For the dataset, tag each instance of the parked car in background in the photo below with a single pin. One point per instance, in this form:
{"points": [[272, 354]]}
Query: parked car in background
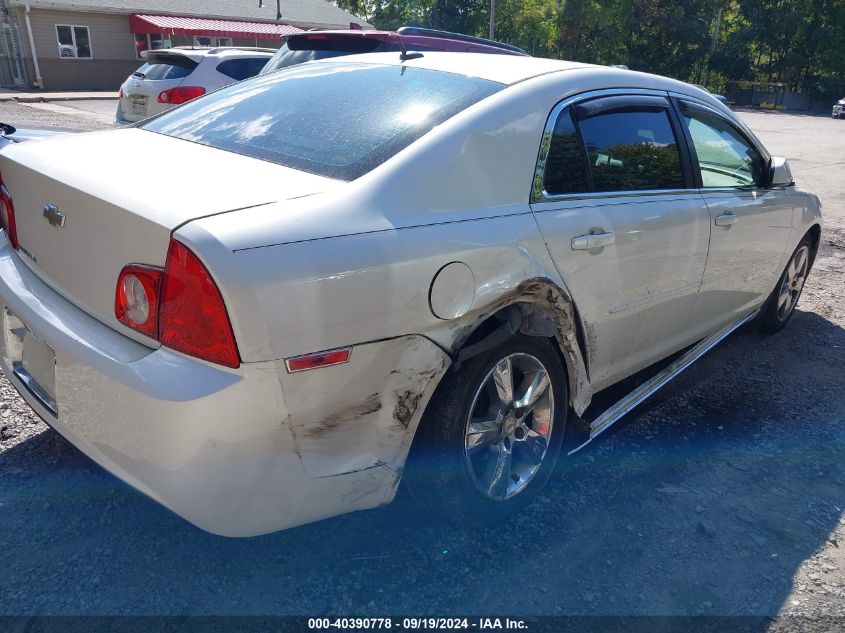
{"points": [[303, 47], [176, 75], [839, 108], [368, 269], [721, 98]]}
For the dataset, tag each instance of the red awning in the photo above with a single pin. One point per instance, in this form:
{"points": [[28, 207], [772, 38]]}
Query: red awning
{"points": [[173, 25]]}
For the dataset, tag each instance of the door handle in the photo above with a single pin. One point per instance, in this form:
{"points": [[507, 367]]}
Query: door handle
{"points": [[726, 219], [589, 242]]}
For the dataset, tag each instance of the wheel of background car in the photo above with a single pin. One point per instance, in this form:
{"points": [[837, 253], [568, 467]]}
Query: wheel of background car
{"points": [[781, 303], [492, 433]]}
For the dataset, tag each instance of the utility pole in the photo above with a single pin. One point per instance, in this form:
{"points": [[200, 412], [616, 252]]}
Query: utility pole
{"points": [[278, 8], [492, 19], [712, 48]]}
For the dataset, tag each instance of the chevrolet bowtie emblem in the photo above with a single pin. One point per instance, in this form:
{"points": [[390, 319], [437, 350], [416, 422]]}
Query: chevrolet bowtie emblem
{"points": [[54, 216]]}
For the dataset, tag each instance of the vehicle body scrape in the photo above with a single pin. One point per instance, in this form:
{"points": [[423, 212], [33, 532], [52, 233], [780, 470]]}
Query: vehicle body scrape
{"points": [[546, 309], [336, 432]]}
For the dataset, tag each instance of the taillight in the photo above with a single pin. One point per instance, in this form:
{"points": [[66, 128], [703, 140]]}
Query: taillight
{"points": [[136, 302], [175, 96], [192, 316], [179, 306], [7, 215]]}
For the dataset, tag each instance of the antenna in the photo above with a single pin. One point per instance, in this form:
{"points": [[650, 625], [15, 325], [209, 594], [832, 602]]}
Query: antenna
{"points": [[405, 55]]}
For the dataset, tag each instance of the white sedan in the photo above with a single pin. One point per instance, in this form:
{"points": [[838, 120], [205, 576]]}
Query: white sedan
{"points": [[353, 269]]}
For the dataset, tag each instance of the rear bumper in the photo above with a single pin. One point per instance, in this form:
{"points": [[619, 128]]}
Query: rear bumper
{"points": [[219, 447]]}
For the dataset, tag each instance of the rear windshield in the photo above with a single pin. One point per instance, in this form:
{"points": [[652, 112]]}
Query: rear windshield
{"points": [[311, 46], [166, 67], [334, 119]]}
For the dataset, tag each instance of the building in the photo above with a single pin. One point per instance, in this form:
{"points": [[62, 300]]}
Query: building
{"points": [[96, 44]]}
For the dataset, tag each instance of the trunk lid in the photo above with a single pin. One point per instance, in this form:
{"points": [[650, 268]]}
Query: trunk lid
{"points": [[122, 193]]}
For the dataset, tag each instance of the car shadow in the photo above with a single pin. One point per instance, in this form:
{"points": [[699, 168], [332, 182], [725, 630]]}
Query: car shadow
{"points": [[703, 503]]}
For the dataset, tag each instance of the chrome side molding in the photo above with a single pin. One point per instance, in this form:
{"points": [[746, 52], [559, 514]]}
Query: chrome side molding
{"points": [[660, 380]]}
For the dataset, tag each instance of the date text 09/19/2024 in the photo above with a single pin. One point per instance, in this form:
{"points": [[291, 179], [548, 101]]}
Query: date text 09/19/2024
{"points": [[428, 623]]}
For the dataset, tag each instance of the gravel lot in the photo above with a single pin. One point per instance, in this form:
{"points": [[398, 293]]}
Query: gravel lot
{"points": [[724, 497]]}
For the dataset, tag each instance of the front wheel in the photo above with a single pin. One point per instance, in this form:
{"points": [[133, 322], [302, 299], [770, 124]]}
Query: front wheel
{"points": [[491, 436], [781, 303]]}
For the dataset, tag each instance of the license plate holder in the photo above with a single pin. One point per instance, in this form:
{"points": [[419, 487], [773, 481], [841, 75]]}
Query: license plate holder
{"points": [[32, 361], [139, 106]]}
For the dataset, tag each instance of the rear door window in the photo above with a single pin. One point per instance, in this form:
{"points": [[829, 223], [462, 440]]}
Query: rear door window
{"points": [[631, 150], [335, 119], [167, 67], [566, 166], [244, 68]]}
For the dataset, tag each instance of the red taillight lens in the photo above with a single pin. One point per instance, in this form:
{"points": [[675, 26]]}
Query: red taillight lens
{"points": [[137, 299], [7, 215], [175, 96], [192, 315]]}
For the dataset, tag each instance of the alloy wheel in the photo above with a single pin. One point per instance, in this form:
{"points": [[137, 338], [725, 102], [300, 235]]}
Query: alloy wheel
{"points": [[793, 282], [509, 426]]}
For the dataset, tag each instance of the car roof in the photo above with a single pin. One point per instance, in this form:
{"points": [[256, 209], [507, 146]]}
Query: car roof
{"points": [[505, 69], [418, 36], [198, 53], [512, 69]]}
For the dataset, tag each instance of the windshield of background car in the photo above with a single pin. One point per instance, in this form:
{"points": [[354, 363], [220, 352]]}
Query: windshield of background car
{"points": [[334, 119]]}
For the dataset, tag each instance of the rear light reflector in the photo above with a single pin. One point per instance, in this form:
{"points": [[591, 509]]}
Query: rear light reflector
{"points": [[320, 359], [175, 96], [137, 299], [7, 215], [192, 316]]}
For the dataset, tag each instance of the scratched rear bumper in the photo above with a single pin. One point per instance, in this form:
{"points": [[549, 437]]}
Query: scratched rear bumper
{"points": [[236, 452]]}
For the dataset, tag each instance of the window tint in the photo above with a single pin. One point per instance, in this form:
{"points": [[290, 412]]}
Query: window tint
{"points": [[335, 119], [168, 67], [311, 46], [725, 158], [240, 69], [631, 150], [566, 169]]}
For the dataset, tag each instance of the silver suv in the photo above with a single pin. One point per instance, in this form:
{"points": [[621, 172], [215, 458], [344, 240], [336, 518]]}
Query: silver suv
{"points": [[176, 75]]}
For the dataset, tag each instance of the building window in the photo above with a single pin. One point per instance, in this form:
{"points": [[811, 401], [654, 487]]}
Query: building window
{"points": [[150, 42], [203, 40], [74, 41]]}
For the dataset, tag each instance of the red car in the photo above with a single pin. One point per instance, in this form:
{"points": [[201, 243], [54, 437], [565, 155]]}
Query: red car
{"points": [[304, 47]]}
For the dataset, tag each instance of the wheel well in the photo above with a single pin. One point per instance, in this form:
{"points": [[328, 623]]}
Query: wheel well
{"points": [[815, 234], [541, 319]]}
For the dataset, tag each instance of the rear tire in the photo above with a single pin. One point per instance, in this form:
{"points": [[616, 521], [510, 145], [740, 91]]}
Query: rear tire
{"points": [[487, 444], [781, 303]]}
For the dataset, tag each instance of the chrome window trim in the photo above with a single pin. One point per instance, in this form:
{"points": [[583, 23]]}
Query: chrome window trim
{"points": [[609, 195], [538, 190]]}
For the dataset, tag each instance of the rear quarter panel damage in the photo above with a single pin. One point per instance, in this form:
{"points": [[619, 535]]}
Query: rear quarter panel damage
{"points": [[363, 414]]}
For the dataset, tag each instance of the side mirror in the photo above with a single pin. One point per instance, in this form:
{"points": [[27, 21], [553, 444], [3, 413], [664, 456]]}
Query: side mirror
{"points": [[780, 175]]}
